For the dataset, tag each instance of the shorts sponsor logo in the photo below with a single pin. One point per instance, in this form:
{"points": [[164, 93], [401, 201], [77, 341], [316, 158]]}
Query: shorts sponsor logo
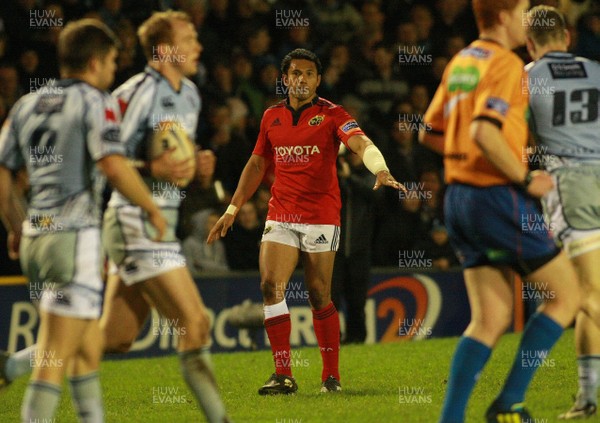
{"points": [[321, 239], [130, 266]]}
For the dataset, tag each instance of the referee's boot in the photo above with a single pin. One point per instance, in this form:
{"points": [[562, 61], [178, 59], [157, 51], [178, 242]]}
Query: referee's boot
{"points": [[278, 385], [516, 413]]}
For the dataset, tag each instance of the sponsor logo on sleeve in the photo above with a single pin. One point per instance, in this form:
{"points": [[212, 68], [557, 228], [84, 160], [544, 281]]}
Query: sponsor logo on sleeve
{"points": [[349, 126], [497, 104]]}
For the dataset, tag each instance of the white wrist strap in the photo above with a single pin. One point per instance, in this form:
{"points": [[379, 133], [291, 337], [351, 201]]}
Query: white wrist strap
{"points": [[373, 160], [231, 209]]}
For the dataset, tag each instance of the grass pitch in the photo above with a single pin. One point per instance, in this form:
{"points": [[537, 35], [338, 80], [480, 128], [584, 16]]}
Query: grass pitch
{"points": [[396, 383]]}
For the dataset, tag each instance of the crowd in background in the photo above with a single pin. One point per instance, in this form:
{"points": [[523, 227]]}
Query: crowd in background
{"points": [[382, 60]]}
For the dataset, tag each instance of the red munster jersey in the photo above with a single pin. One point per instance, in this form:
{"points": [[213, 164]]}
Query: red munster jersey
{"points": [[303, 145]]}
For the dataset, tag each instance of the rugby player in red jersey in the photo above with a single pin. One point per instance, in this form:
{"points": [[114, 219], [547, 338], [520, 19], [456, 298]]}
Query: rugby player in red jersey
{"points": [[301, 137]]}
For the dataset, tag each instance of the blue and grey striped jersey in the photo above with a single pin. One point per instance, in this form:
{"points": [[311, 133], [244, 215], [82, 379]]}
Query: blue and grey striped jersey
{"points": [[58, 133], [563, 99], [148, 102]]}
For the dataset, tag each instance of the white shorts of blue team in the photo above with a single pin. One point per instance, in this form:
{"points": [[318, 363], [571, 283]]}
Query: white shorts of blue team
{"points": [[573, 208], [128, 240], [64, 269]]}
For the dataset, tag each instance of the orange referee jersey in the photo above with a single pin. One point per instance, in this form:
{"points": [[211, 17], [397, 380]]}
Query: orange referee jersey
{"points": [[483, 81]]}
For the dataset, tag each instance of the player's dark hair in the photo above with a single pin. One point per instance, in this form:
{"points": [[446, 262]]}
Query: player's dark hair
{"points": [[158, 29], [300, 53], [545, 24], [82, 40]]}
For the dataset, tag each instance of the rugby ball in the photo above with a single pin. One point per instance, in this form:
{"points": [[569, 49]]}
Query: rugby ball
{"points": [[168, 135]]}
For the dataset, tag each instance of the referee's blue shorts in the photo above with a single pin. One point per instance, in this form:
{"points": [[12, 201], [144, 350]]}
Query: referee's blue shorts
{"points": [[492, 226]]}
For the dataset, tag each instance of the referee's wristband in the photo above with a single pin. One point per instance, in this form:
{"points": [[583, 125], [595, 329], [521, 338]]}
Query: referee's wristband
{"points": [[527, 180], [231, 209]]}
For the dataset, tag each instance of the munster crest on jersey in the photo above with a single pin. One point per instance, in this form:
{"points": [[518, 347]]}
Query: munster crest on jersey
{"points": [[316, 120]]}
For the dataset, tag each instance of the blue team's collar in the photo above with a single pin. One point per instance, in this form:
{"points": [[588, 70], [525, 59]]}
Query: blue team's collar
{"points": [[149, 69], [561, 55], [156, 74]]}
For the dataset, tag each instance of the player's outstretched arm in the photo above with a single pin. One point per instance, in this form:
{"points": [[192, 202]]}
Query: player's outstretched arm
{"points": [[10, 212], [128, 182], [251, 177], [495, 148], [374, 161]]}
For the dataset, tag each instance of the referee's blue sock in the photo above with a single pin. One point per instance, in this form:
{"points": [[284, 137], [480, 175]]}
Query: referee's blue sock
{"points": [[469, 359], [540, 335]]}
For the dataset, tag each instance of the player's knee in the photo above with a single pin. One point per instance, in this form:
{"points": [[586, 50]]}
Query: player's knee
{"points": [[196, 328], [319, 297], [495, 325], [268, 288]]}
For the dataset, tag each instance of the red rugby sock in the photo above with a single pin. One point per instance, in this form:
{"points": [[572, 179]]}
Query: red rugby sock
{"points": [[279, 329], [327, 329]]}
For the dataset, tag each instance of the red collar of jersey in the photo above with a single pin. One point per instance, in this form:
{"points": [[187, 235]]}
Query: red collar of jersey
{"points": [[296, 113]]}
